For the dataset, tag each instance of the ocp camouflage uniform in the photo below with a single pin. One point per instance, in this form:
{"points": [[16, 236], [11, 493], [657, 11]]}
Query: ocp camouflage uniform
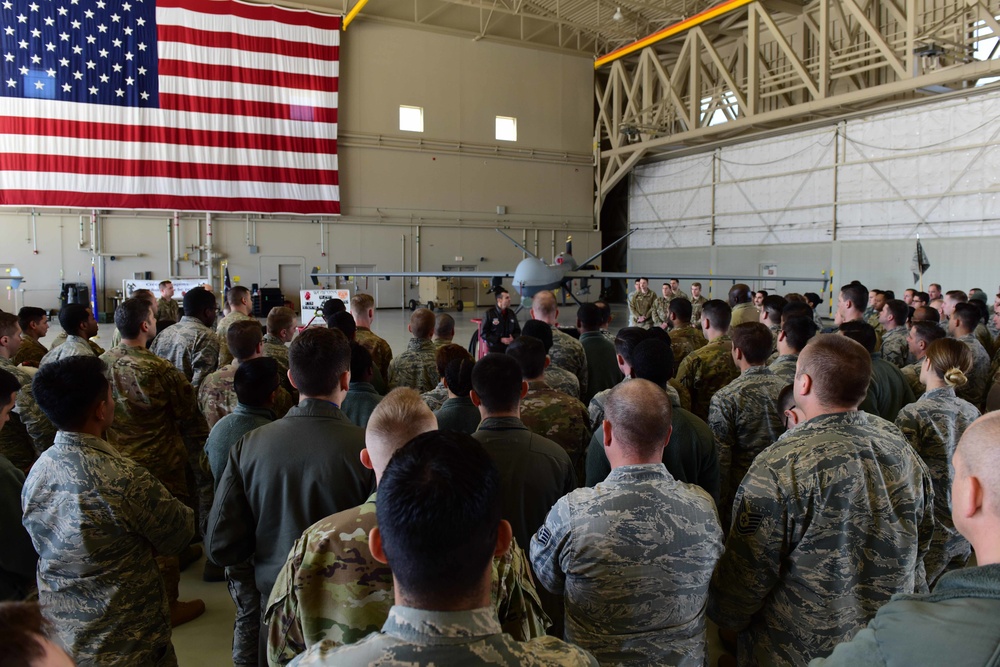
{"points": [[331, 589], [933, 425], [377, 347], [568, 353], [275, 348], [831, 521], [744, 312], [436, 397], [222, 328], [683, 341], [697, 305], [75, 346], [895, 349], [911, 373], [95, 518], [62, 336], [974, 391], [416, 367], [560, 418], [562, 380], [167, 309], [633, 558], [217, 396], [19, 443], [784, 367], [983, 335], [444, 638], [30, 351], [191, 347], [705, 371], [745, 420], [642, 305], [661, 311]]}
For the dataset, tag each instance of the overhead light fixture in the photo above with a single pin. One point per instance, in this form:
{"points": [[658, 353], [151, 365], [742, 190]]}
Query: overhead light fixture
{"points": [[617, 16]]}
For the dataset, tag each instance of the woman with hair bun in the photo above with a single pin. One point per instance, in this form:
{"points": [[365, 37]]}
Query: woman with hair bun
{"points": [[933, 425]]}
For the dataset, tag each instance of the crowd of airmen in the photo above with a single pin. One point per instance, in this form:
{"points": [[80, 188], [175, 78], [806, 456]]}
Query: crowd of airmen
{"points": [[573, 497]]}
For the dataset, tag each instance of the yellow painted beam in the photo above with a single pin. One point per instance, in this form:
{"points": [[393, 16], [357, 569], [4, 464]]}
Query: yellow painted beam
{"points": [[354, 12], [671, 30]]}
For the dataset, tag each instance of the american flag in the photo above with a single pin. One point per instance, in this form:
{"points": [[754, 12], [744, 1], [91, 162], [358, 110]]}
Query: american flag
{"points": [[199, 105]]}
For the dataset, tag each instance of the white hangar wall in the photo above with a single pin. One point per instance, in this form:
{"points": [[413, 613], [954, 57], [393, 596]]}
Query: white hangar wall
{"points": [[849, 198], [409, 200]]}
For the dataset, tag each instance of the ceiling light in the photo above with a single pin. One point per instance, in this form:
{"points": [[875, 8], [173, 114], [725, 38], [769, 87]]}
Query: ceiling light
{"points": [[617, 16]]}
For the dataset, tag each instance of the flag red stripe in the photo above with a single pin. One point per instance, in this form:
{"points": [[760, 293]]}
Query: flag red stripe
{"points": [[281, 47], [165, 202], [164, 135], [164, 169], [258, 77], [246, 108], [256, 12]]}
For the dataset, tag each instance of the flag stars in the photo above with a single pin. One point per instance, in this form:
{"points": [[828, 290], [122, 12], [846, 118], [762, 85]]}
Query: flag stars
{"points": [[117, 67], [39, 85], [115, 18], [23, 44], [117, 43], [142, 71], [88, 14], [100, 4], [8, 30], [129, 55], [36, 33], [35, 60], [33, 7], [91, 39], [11, 83], [23, 70], [129, 81], [142, 46], [75, 25], [21, 18], [78, 75], [62, 11], [9, 57], [128, 30], [91, 64], [120, 93], [67, 88], [64, 36], [144, 95], [51, 72], [140, 21], [50, 46], [7, 5], [77, 49], [103, 53], [93, 90], [49, 20], [63, 62], [105, 78], [126, 7], [102, 28]]}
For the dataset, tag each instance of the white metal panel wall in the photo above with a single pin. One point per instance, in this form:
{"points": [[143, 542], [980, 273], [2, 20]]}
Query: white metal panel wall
{"points": [[671, 203]]}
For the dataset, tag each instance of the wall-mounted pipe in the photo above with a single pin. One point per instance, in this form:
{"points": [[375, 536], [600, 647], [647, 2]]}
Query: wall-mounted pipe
{"points": [[322, 239], [34, 232], [170, 247], [93, 228], [82, 242], [177, 244], [208, 246]]}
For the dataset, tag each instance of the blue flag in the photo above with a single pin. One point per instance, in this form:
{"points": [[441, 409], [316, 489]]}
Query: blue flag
{"points": [[93, 291]]}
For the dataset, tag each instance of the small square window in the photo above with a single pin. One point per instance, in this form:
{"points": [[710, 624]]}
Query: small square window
{"points": [[506, 128], [411, 119]]}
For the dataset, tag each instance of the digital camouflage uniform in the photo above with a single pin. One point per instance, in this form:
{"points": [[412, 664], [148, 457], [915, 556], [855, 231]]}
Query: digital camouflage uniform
{"points": [[436, 397], [359, 403], [191, 347], [642, 305], [832, 521], [745, 420], [167, 309], [933, 426], [895, 349], [377, 347], [95, 518], [911, 373], [331, 589], [633, 558], [62, 336], [560, 418], [415, 637], [684, 340], [705, 371], [75, 346], [222, 328], [29, 432], [415, 368], [784, 367], [567, 353], [217, 396], [30, 351], [562, 380], [979, 377]]}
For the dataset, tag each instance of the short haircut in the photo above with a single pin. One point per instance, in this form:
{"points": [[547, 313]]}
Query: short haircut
{"points": [[739, 293], [279, 319], [763, 292], [458, 375], [856, 294], [813, 299], [197, 300], [898, 309], [362, 303], [718, 313], [398, 418], [499, 291], [243, 337], [164, 283], [626, 341], [331, 307], [640, 416], [754, 340], [540, 330], [798, 331], [236, 295], [861, 332], [529, 353], [344, 322], [8, 385], [361, 361], [653, 360], [796, 309], [605, 311], [23, 630], [979, 453], [444, 326], [696, 284], [889, 294], [793, 297], [927, 331], [497, 380], [8, 324], [925, 314], [923, 296], [317, 358], [438, 512], [951, 360], [144, 294], [840, 368], [255, 381], [935, 285], [445, 354], [422, 323], [682, 309], [29, 315], [589, 316], [773, 305], [967, 314], [129, 316], [957, 295], [786, 398], [545, 303], [71, 316], [68, 389]]}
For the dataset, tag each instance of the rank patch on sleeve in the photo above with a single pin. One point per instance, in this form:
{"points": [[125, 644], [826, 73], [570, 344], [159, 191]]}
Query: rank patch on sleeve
{"points": [[543, 535], [748, 520]]}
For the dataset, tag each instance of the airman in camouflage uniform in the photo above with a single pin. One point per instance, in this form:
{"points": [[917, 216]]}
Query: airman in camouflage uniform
{"points": [[29, 432], [705, 371], [784, 367], [562, 380], [420, 637], [642, 304], [73, 346], [810, 558], [596, 408], [895, 349], [225, 356], [933, 426], [30, 352], [95, 518], [911, 373], [276, 349], [684, 340], [567, 353], [62, 336], [377, 347], [436, 397], [415, 367], [167, 309], [979, 377], [217, 396], [331, 590], [191, 347], [558, 417]]}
